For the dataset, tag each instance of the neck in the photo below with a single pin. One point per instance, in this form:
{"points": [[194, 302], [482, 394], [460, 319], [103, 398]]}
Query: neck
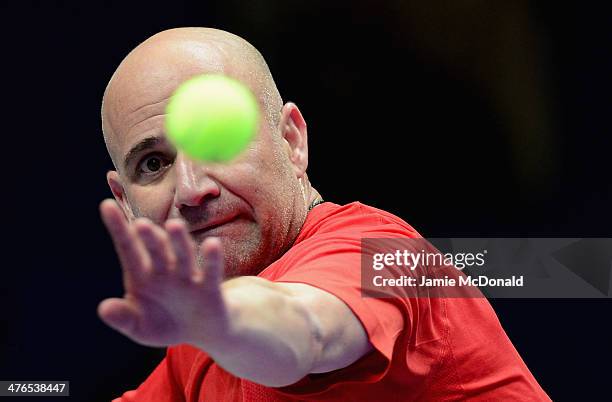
{"points": [[311, 195]]}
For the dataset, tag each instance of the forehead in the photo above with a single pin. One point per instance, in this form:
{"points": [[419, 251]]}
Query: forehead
{"points": [[136, 98]]}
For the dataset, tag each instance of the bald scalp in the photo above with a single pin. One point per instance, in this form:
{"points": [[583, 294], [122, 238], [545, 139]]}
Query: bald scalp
{"points": [[147, 72]]}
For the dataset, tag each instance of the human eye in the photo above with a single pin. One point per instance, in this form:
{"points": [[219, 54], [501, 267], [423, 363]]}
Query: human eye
{"points": [[152, 165]]}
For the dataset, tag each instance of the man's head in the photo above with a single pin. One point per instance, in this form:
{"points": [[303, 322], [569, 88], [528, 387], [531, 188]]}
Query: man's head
{"points": [[257, 203]]}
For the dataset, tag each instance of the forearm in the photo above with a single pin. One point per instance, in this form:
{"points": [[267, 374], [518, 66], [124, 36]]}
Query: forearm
{"points": [[271, 338]]}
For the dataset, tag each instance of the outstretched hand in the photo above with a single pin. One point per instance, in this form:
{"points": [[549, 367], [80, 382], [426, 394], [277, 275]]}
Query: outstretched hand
{"points": [[168, 298]]}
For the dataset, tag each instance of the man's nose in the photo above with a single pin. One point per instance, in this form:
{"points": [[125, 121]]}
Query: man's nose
{"points": [[193, 184]]}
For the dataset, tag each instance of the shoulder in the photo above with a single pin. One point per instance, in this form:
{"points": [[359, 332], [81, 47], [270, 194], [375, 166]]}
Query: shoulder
{"points": [[332, 236], [356, 218]]}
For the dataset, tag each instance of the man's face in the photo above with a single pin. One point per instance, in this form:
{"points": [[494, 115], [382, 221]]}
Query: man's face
{"points": [[249, 203]]}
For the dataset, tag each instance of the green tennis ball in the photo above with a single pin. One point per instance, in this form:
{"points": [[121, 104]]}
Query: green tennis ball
{"points": [[212, 117]]}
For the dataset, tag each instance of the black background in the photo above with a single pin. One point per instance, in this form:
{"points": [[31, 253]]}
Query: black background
{"points": [[394, 122]]}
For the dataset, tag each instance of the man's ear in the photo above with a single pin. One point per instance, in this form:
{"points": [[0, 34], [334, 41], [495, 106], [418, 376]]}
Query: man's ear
{"points": [[294, 133], [116, 186]]}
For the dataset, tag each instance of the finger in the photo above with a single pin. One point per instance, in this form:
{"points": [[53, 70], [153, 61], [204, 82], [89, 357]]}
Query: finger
{"points": [[212, 254], [120, 315], [183, 248], [130, 249], [158, 245]]}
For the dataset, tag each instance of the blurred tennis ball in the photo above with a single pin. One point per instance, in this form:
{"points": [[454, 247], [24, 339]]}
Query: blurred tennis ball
{"points": [[212, 117]]}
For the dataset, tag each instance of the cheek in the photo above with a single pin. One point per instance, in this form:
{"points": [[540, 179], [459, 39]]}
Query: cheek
{"points": [[153, 201], [262, 177]]}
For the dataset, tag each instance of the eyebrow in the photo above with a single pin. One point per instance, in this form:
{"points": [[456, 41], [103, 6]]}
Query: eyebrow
{"points": [[142, 145]]}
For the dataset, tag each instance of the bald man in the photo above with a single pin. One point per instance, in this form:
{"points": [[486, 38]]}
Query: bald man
{"points": [[249, 278]]}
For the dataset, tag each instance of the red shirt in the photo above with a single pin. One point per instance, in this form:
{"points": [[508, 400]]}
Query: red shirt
{"points": [[426, 349]]}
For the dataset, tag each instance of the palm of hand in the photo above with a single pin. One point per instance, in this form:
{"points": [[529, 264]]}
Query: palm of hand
{"points": [[168, 299]]}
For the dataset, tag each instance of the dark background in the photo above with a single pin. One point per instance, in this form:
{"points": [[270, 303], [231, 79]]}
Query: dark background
{"points": [[465, 118]]}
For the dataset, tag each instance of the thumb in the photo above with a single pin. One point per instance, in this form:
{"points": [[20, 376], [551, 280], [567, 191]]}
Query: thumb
{"points": [[118, 314]]}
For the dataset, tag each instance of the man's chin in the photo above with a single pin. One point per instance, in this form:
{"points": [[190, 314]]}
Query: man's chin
{"points": [[241, 257]]}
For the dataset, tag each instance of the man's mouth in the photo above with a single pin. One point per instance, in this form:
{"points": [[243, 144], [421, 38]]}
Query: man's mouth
{"points": [[212, 227]]}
